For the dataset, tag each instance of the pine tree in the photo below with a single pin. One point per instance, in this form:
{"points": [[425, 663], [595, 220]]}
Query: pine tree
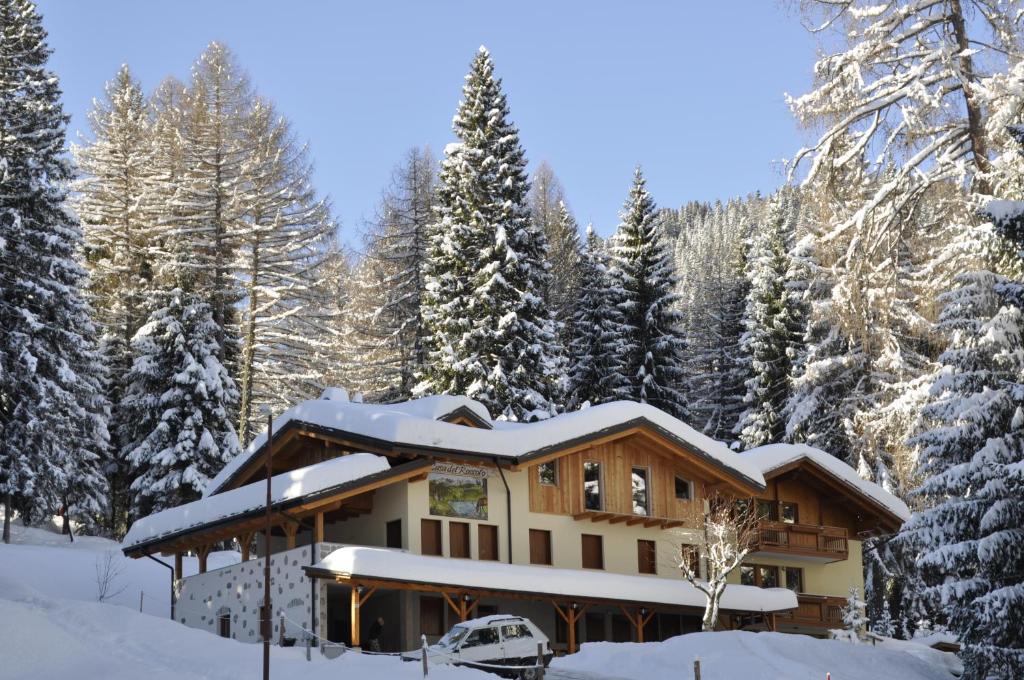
{"points": [[387, 326], [648, 335], [52, 411], [594, 370], [491, 336], [116, 167], [182, 399], [769, 322]]}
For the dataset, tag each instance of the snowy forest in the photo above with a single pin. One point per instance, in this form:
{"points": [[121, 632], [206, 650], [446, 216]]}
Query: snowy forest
{"points": [[175, 273]]}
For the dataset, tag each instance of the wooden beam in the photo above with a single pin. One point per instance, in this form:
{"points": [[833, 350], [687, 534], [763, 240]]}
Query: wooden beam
{"points": [[618, 518], [318, 528], [354, 616], [245, 541], [451, 603], [177, 566], [290, 530], [202, 552]]}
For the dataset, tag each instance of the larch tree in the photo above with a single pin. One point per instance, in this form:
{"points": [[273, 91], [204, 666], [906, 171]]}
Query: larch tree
{"points": [[491, 335], [387, 329], [115, 167], [280, 247], [550, 213], [594, 364], [648, 334], [52, 409]]}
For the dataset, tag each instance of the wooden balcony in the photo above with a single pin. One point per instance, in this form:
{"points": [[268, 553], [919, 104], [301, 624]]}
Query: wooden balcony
{"points": [[817, 543], [814, 611]]}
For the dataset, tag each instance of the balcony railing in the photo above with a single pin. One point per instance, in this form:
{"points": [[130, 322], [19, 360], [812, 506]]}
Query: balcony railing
{"points": [[815, 611], [828, 543]]}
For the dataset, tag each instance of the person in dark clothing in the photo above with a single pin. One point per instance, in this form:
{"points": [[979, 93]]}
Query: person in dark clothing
{"points": [[373, 639]]}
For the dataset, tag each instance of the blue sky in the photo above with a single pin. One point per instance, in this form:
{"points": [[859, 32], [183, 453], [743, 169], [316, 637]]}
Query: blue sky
{"points": [[693, 91]]}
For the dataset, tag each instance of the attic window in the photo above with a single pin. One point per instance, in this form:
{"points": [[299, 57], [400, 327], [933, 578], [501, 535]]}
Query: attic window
{"points": [[684, 489], [547, 473]]}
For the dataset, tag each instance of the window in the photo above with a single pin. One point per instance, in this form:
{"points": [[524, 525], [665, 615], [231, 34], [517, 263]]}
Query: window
{"points": [[593, 551], [795, 579], [540, 546], [646, 557], [431, 615], [487, 542], [224, 624], [760, 575], [595, 626], [547, 473], [480, 637], [430, 537], [592, 485], [769, 577], [691, 555], [458, 539], [515, 631], [790, 513], [767, 510], [641, 491], [394, 533], [684, 489]]}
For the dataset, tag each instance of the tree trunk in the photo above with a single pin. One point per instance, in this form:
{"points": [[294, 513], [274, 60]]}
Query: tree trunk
{"points": [[7, 517], [975, 127]]}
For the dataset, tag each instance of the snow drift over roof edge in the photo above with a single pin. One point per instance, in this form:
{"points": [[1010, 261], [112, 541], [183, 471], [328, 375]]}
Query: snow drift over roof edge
{"points": [[414, 423], [283, 487], [388, 563], [774, 456]]}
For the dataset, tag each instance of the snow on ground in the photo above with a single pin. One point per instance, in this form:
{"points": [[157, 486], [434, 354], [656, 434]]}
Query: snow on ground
{"points": [[734, 655]]}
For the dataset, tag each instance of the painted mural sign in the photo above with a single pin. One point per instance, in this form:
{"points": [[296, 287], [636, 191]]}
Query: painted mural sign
{"points": [[457, 490]]}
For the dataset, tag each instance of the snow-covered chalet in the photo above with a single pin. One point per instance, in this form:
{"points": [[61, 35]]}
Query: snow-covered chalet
{"points": [[429, 512]]}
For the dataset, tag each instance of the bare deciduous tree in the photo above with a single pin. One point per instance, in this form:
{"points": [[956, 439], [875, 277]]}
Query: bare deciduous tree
{"points": [[108, 574], [730, 530]]}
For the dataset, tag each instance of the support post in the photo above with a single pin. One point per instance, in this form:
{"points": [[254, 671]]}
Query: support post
{"points": [[696, 669], [245, 542], [318, 528], [177, 566], [290, 529], [354, 613], [202, 552]]}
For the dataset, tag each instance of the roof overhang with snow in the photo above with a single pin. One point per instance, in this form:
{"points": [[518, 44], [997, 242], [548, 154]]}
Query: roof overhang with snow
{"points": [[398, 569], [428, 427], [775, 460], [233, 512]]}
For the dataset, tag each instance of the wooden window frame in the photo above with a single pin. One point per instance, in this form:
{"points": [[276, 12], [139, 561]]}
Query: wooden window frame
{"points": [[786, 570], [600, 484], [554, 468], [796, 512], [689, 488], [547, 542], [583, 550], [647, 490], [758, 581]]}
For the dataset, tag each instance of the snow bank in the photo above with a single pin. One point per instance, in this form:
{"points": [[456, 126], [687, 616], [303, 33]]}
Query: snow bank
{"points": [[397, 564], [732, 655], [284, 487], [414, 423], [773, 456]]}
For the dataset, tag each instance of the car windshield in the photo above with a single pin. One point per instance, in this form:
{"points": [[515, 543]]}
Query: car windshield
{"points": [[453, 637]]}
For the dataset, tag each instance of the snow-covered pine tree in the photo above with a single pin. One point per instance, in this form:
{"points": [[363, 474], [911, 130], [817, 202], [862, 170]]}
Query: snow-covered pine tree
{"points": [[281, 242], [52, 410], [594, 364], [182, 398], [855, 621], [768, 322], [647, 332], [491, 335], [387, 330], [550, 213], [968, 532], [115, 167]]}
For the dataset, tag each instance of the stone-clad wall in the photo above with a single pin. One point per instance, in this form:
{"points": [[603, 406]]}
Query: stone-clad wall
{"points": [[238, 591]]}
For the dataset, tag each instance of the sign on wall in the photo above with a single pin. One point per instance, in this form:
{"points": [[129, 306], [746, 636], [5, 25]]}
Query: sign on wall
{"points": [[457, 490]]}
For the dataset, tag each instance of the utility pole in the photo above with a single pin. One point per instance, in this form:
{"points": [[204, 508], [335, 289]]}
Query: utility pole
{"points": [[266, 542]]}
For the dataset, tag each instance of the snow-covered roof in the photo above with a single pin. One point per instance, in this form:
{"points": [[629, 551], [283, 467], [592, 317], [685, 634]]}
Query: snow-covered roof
{"points": [[398, 565], [415, 424], [773, 456], [284, 487]]}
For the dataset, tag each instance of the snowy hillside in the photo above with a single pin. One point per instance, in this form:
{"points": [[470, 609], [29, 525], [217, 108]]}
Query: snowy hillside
{"points": [[736, 655], [52, 627]]}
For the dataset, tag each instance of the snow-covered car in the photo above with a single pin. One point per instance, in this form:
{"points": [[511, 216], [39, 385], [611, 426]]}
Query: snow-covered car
{"points": [[497, 640]]}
